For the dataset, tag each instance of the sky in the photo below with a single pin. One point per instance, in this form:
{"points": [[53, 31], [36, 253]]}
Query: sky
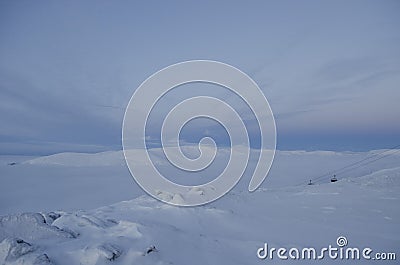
{"points": [[329, 69]]}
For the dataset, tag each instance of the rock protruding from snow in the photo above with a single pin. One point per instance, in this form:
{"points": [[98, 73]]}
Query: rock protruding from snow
{"points": [[150, 249], [29, 226], [42, 260], [17, 251], [13, 248], [109, 251], [51, 217]]}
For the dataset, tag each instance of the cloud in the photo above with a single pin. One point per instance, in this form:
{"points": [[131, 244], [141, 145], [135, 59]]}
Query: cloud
{"points": [[68, 81]]}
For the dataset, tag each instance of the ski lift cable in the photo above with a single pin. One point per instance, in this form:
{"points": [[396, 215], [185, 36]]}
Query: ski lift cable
{"points": [[108, 106], [368, 162], [357, 162], [328, 174], [363, 164]]}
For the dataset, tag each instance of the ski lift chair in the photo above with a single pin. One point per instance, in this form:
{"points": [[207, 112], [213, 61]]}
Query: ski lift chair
{"points": [[334, 179]]}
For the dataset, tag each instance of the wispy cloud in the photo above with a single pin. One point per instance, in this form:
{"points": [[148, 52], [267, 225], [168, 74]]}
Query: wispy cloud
{"points": [[68, 81]]}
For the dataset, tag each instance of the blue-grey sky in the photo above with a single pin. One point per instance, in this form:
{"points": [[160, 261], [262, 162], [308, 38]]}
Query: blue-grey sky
{"points": [[330, 69]]}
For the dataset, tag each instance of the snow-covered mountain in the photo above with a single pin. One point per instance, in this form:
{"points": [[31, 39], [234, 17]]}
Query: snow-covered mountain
{"points": [[46, 218]]}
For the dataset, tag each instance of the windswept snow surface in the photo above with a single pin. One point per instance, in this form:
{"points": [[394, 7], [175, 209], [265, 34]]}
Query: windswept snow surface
{"points": [[363, 206]]}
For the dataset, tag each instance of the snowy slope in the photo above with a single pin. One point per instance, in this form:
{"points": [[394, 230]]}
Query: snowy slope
{"points": [[72, 181], [364, 207]]}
